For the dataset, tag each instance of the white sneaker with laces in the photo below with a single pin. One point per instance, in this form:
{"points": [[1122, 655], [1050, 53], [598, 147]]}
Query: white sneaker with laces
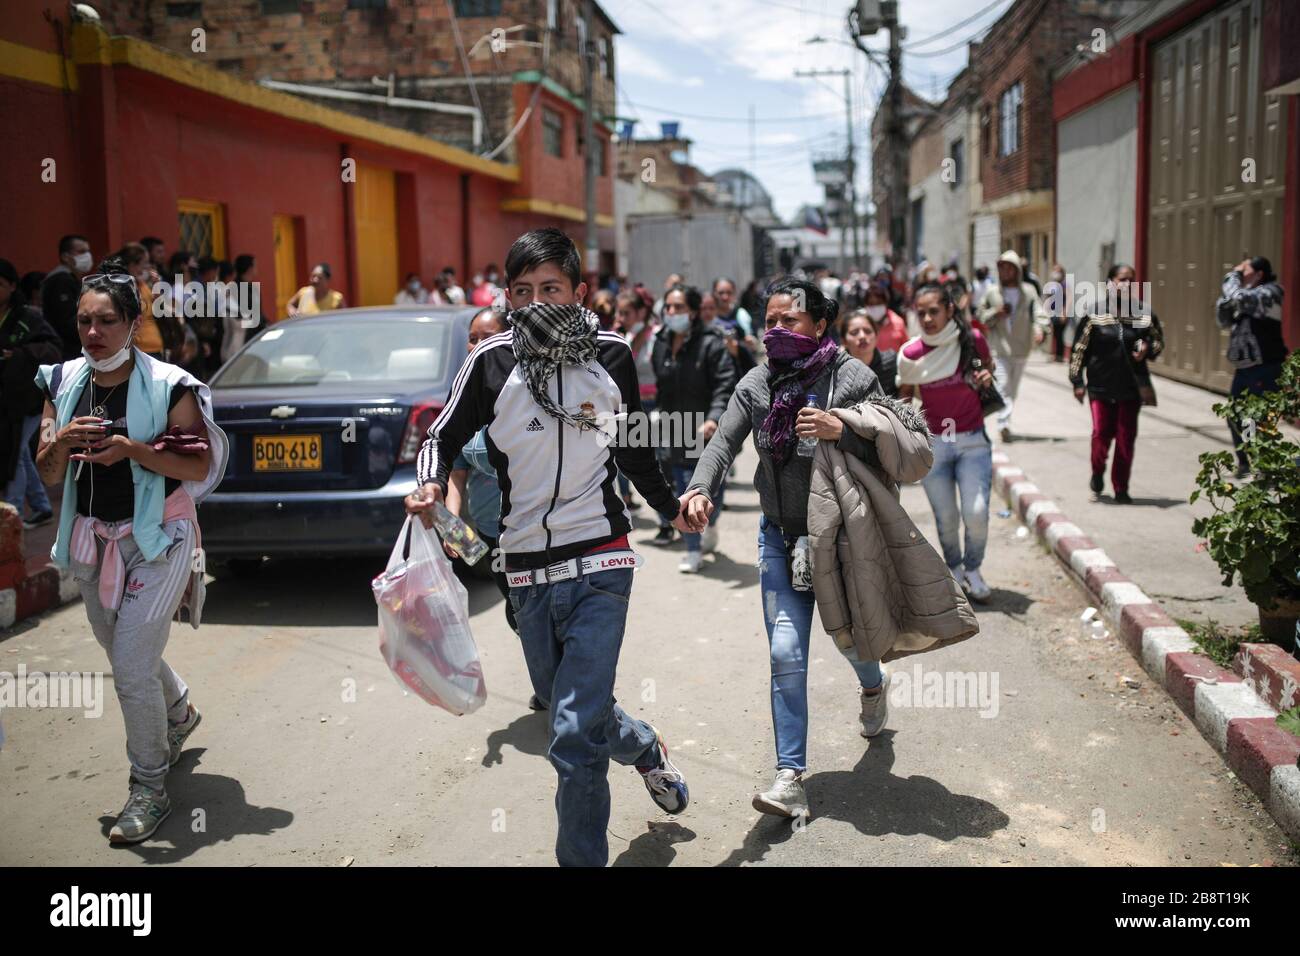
{"points": [[786, 798], [975, 586], [709, 540], [691, 562]]}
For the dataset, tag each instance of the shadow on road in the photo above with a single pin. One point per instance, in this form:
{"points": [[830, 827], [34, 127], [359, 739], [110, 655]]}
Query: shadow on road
{"points": [[320, 592], [734, 574], [877, 803], [1002, 601], [1149, 502], [655, 847], [226, 814], [528, 734]]}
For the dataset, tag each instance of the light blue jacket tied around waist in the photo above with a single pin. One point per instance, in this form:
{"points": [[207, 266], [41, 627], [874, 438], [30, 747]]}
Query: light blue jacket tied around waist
{"points": [[148, 403]]}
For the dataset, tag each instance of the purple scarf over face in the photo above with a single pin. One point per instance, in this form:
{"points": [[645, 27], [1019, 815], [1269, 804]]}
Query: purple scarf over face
{"points": [[794, 364]]}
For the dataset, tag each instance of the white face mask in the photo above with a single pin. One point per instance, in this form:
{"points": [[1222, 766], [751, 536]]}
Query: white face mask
{"points": [[413, 286], [876, 311], [635, 330], [678, 323], [114, 361], [83, 262]]}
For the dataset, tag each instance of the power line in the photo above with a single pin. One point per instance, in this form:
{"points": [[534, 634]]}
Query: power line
{"points": [[727, 119], [955, 27]]}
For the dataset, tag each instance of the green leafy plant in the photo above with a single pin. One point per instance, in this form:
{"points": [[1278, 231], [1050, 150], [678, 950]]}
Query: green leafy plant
{"points": [[1289, 720], [1217, 642], [1254, 532]]}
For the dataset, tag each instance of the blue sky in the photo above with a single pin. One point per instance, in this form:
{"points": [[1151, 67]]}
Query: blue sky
{"points": [[705, 62]]}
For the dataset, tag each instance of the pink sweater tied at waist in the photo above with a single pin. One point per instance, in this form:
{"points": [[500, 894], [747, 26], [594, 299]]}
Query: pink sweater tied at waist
{"points": [[112, 574]]}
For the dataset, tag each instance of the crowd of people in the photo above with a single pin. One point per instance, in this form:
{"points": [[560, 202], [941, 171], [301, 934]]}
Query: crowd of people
{"points": [[846, 389]]}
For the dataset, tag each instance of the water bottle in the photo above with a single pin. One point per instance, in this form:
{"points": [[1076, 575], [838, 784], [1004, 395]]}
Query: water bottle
{"points": [[808, 446], [457, 535]]}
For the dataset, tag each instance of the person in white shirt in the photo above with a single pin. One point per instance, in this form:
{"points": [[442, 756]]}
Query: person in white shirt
{"points": [[413, 292], [453, 293]]}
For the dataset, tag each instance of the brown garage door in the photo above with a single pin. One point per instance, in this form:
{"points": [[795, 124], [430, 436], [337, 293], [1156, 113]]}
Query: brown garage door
{"points": [[1209, 118]]}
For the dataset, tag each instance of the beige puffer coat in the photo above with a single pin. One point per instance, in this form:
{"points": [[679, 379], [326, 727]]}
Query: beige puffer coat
{"points": [[882, 590]]}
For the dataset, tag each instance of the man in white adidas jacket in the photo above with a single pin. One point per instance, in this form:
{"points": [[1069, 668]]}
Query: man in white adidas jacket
{"points": [[541, 390]]}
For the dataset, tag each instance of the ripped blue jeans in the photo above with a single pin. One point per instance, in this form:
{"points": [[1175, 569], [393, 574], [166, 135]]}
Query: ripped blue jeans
{"points": [[788, 616]]}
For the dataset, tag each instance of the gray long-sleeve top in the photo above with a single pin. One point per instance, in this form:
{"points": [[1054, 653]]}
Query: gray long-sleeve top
{"points": [[783, 488]]}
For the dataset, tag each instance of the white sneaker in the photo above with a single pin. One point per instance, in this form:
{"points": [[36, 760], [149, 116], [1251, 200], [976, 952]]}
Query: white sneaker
{"points": [[786, 798], [709, 539], [875, 708], [691, 562], [975, 586]]}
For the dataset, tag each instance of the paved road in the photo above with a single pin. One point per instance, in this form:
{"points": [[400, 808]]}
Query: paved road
{"points": [[1075, 768]]}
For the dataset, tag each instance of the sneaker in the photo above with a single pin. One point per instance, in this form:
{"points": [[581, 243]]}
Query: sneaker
{"points": [[786, 798], [875, 708], [145, 809], [709, 539], [1122, 498], [535, 703], [664, 782], [665, 536], [976, 588], [177, 734], [38, 519], [1242, 472], [1006, 435], [632, 504], [1095, 484], [691, 562]]}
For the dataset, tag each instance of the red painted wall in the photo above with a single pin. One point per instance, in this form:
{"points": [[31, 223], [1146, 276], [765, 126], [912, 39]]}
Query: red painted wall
{"points": [[41, 125], [559, 179]]}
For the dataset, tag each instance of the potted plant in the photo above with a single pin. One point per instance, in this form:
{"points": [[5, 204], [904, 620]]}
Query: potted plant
{"points": [[1254, 533]]}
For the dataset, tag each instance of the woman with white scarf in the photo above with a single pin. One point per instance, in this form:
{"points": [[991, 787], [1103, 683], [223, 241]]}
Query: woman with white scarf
{"points": [[939, 367], [133, 441]]}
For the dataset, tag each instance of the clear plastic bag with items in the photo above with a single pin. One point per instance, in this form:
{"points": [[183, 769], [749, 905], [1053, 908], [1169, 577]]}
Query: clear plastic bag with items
{"points": [[424, 632]]}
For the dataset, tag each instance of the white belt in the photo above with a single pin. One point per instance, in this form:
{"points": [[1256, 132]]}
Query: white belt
{"points": [[568, 570]]}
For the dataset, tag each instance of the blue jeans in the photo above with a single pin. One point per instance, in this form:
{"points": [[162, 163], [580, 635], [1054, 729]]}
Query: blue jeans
{"points": [[682, 474], [965, 465], [788, 615], [1256, 381], [572, 632], [26, 482]]}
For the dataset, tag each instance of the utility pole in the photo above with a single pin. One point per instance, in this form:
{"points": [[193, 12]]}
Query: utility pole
{"points": [[589, 137], [853, 172], [865, 20], [898, 203], [851, 191]]}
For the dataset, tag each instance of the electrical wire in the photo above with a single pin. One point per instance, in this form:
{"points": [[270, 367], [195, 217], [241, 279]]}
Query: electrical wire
{"points": [[911, 44]]}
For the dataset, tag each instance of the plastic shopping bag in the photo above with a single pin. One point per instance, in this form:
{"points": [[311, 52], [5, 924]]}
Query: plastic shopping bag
{"points": [[424, 623]]}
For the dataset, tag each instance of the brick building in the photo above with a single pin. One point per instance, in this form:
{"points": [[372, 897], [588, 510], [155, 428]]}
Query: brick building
{"points": [[229, 165], [1012, 70]]}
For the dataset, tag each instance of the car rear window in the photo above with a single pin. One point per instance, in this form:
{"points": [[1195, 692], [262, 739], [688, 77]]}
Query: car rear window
{"points": [[320, 353]]}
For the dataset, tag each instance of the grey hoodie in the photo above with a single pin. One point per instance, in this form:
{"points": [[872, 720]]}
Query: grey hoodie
{"points": [[782, 488]]}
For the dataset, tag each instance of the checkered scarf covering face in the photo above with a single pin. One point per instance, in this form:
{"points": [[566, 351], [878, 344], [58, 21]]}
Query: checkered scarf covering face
{"points": [[546, 337]]}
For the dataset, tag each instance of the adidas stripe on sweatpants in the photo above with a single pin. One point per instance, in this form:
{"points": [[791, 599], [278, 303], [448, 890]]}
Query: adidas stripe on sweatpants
{"points": [[134, 636]]}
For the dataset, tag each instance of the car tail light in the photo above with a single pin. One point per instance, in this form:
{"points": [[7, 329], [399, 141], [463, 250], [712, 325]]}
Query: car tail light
{"points": [[417, 429]]}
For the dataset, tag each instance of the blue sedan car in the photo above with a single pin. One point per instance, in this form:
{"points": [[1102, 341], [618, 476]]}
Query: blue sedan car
{"points": [[325, 416]]}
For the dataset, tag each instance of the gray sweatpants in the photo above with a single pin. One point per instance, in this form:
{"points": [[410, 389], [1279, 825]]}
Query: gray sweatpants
{"points": [[150, 692]]}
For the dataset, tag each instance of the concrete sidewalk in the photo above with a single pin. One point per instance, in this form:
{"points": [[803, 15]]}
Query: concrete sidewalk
{"points": [[1136, 566], [1151, 540]]}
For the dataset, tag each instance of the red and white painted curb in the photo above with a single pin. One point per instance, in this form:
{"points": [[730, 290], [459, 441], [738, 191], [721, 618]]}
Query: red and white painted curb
{"points": [[27, 587], [1235, 711]]}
